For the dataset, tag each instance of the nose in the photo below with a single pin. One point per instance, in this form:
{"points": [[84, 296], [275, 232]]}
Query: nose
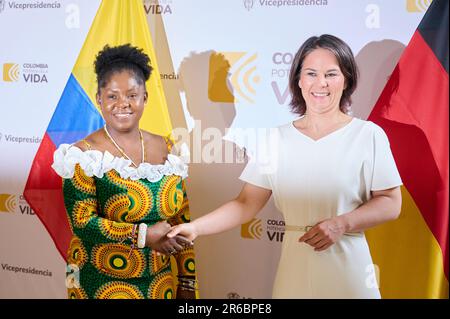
{"points": [[323, 81], [123, 101]]}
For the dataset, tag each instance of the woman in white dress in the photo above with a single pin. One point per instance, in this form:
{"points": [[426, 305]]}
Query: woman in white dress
{"points": [[332, 177]]}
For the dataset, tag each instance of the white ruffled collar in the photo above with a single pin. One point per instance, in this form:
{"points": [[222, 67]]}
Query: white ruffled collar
{"points": [[96, 163]]}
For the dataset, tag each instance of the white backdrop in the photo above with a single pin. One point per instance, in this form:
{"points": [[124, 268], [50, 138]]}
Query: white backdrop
{"points": [[52, 38], [256, 38]]}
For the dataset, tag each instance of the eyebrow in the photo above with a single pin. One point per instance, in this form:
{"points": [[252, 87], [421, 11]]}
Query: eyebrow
{"points": [[115, 90], [332, 70]]}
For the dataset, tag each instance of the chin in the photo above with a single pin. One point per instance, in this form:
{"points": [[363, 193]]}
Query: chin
{"points": [[122, 126], [319, 109]]}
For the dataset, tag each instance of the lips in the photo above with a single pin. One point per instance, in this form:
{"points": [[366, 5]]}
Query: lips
{"points": [[122, 115], [320, 94]]}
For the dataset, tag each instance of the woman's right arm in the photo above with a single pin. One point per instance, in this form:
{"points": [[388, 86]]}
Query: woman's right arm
{"points": [[81, 206], [242, 209]]}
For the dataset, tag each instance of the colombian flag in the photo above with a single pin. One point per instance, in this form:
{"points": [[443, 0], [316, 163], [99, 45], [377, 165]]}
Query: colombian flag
{"points": [[412, 252], [116, 22]]}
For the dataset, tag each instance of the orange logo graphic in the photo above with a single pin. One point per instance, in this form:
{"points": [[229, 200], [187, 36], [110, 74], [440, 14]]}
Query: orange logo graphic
{"points": [[10, 72], [252, 229], [232, 77], [417, 5], [8, 203]]}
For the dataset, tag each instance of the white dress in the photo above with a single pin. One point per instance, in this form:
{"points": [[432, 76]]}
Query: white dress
{"points": [[315, 180]]}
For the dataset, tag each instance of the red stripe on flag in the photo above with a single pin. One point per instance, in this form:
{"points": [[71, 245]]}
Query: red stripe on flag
{"points": [[43, 192], [413, 110]]}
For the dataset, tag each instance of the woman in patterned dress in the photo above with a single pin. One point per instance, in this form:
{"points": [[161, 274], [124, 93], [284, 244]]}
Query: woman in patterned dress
{"points": [[123, 189]]}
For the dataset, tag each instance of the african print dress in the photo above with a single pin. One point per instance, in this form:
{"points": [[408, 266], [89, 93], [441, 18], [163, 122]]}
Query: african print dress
{"points": [[104, 197]]}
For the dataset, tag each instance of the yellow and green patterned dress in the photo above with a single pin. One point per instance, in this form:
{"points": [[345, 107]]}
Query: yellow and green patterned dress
{"points": [[104, 197]]}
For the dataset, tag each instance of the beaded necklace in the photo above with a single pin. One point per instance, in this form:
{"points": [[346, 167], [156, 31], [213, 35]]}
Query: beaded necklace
{"points": [[122, 151]]}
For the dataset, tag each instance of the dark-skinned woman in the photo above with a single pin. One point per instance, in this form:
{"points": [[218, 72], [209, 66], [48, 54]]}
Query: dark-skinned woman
{"points": [[123, 189]]}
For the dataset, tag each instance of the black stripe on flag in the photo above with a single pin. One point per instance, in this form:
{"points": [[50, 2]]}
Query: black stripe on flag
{"points": [[434, 30]]}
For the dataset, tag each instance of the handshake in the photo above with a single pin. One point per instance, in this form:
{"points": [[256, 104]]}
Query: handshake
{"points": [[157, 239]]}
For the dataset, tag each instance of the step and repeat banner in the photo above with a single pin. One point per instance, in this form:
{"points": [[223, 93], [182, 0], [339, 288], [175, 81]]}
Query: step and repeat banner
{"points": [[224, 66]]}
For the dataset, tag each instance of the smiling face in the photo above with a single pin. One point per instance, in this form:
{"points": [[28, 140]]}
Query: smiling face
{"points": [[321, 81], [122, 101]]}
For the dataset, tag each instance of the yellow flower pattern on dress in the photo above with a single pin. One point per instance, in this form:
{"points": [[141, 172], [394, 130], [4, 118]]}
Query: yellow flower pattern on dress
{"points": [[102, 212], [82, 182], [76, 293], [158, 263], [118, 290], [115, 231], [116, 207], [141, 201], [82, 212], [77, 254], [114, 260], [170, 196], [162, 286]]}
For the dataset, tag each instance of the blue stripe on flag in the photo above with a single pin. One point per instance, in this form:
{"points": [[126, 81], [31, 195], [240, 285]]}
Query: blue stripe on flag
{"points": [[75, 116]]}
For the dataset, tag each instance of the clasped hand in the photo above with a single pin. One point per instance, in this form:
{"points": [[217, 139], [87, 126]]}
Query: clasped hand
{"points": [[157, 239], [324, 234]]}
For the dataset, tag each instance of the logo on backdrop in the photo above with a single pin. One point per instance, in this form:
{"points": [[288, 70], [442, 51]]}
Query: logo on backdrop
{"points": [[26, 270], [248, 4], [417, 5], [20, 139], [11, 203], [35, 73], [252, 229], [282, 62], [28, 5], [2, 5], [158, 7], [8, 203], [232, 77], [170, 76], [274, 230], [11, 72]]}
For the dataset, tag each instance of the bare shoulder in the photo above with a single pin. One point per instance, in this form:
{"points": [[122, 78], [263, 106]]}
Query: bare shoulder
{"points": [[156, 143], [94, 141]]}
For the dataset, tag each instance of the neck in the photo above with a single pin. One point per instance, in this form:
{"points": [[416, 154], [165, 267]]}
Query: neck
{"points": [[323, 120], [125, 136]]}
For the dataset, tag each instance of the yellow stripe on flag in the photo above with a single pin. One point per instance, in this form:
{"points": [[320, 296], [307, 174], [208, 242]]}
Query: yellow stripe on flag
{"points": [[408, 256], [119, 22]]}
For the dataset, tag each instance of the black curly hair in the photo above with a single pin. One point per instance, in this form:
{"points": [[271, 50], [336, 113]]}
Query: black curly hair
{"points": [[119, 58]]}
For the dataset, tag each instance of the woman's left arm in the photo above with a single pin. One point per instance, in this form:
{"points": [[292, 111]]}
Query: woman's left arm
{"points": [[187, 284], [384, 206]]}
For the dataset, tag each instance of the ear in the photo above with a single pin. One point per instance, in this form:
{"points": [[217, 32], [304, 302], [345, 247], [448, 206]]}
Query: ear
{"points": [[97, 98], [345, 83], [145, 97]]}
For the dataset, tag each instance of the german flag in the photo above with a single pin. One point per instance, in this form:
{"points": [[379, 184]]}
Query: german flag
{"points": [[412, 252]]}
